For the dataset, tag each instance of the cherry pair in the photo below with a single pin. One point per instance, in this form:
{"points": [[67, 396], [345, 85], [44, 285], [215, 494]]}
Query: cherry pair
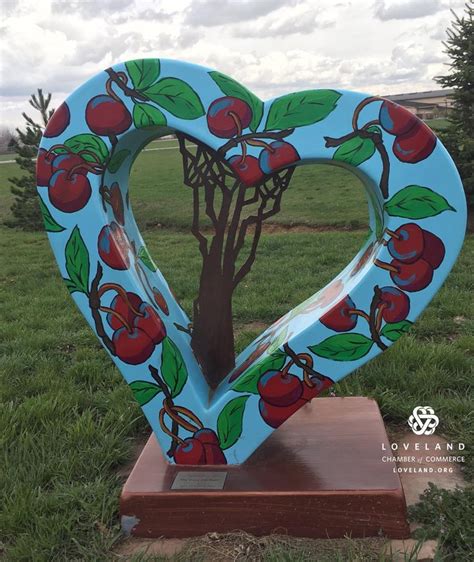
{"points": [[202, 448]]}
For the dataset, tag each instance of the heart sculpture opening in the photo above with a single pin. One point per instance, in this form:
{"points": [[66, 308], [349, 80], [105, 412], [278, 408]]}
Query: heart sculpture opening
{"points": [[204, 406]]}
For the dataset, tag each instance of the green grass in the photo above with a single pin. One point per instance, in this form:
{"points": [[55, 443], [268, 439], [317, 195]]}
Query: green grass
{"points": [[69, 421], [438, 124]]}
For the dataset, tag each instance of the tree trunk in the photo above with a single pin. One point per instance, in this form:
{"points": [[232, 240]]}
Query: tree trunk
{"points": [[213, 335]]}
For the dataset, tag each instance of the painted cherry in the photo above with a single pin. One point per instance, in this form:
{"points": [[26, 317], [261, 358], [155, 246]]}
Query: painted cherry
{"points": [[134, 346], [107, 116], [150, 323], [395, 119], [411, 276], [319, 386], [68, 162], [212, 449], [207, 436], [247, 169], [44, 170], [58, 122], [228, 116], [408, 243], [434, 250], [126, 308], [69, 192], [114, 246], [415, 145], [274, 416], [160, 301], [279, 155], [191, 451], [279, 389], [116, 202], [396, 305], [341, 318]]}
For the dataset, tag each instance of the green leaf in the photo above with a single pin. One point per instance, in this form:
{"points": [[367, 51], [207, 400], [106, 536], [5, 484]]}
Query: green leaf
{"points": [[145, 257], [248, 382], [77, 261], [343, 347], [177, 97], [144, 391], [71, 286], [230, 421], [396, 330], [355, 151], [279, 341], [146, 115], [230, 87], [143, 72], [91, 143], [117, 160], [301, 108], [173, 369], [417, 202], [49, 223]]}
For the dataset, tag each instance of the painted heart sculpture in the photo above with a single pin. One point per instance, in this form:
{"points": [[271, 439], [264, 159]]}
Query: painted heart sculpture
{"points": [[417, 213]]}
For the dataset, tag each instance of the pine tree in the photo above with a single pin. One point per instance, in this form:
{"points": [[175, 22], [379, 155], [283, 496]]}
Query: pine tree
{"points": [[26, 206], [459, 136]]}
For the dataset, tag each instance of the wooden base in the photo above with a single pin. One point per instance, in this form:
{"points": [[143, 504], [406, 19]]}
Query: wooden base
{"points": [[320, 475]]}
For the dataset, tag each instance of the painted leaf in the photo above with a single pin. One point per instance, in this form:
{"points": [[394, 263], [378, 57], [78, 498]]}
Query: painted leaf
{"points": [[301, 108], [230, 87], [417, 202], [396, 330], [90, 143], [279, 340], [77, 261], [177, 97], [143, 72], [230, 421], [355, 151], [248, 382], [145, 257], [343, 347], [144, 391], [146, 115], [117, 160], [49, 223], [173, 369]]}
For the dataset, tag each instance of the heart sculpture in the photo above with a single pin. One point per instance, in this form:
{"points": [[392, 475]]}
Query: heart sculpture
{"points": [[417, 214]]}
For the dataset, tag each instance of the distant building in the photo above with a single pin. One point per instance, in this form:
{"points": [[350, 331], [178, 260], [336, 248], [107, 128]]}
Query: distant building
{"points": [[426, 105]]}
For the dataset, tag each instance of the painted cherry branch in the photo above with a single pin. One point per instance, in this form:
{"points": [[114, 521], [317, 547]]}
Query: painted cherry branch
{"points": [[275, 135]]}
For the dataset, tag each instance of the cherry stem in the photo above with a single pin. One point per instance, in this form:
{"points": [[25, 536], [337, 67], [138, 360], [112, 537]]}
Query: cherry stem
{"points": [[85, 165], [277, 135], [94, 304], [360, 313], [261, 143], [117, 315], [392, 234], [120, 291], [386, 266], [236, 119], [374, 311], [378, 320], [130, 92], [360, 107], [55, 147], [307, 368], [176, 440]]}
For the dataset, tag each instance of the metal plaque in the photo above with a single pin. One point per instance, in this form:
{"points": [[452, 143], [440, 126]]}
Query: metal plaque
{"points": [[203, 480]]}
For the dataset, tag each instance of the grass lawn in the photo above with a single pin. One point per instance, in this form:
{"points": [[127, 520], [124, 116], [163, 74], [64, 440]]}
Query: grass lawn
{"points": [[69, 422]]}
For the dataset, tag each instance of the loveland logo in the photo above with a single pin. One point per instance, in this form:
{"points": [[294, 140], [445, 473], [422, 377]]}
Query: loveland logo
{"points": [[423, 420]]}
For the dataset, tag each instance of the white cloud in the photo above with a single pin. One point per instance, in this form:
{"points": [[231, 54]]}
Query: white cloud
{"points": [[407, 9]]}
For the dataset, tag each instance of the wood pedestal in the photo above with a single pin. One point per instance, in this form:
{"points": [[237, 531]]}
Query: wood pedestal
{"points": [[319, 475]]}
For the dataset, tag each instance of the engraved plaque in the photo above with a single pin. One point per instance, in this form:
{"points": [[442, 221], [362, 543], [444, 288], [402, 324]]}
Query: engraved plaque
{"points": [[203, 480]]}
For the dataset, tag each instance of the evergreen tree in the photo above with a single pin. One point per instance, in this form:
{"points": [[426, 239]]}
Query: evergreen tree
{"points": [[26, 206], [459, 136]]}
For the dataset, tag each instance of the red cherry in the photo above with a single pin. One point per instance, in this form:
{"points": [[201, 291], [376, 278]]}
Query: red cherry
{"points": [[132, 347], [69, 162], [227, 116], [415, 145], [150, 323], [396, 305], [408, 243], [160, 301], [247, 169], [214, 454], [125, 309], [395, 119], [319, 386], [58, 122], [114, 246], [339, 317], [190, 452], [274, 416], [412, 276], [107, 116], [69, 192], [434, 250], [44, 170], [279, 155], [279, 389], [116, 202]]}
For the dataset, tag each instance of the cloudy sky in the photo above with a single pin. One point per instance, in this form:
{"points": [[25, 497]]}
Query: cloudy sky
{"points": [[272, 46]]}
